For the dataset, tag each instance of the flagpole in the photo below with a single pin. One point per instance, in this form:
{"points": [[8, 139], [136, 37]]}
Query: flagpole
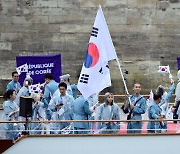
{"points": [[122, 75], [170, 75], [169, 69], [125, 86]]}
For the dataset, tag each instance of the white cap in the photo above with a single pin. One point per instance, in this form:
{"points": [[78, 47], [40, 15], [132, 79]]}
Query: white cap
{"points": [[65, 77]]}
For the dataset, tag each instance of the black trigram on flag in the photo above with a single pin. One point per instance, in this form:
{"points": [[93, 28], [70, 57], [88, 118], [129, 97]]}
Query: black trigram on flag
{"points": [[94, 32], [84, 78], [101, 70]]}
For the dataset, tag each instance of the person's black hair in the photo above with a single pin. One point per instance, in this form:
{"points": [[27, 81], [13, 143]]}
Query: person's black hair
{"points": [[62, 84], [48, 76], [8, 94], [157, 96], [160, 90], [15, 72]]}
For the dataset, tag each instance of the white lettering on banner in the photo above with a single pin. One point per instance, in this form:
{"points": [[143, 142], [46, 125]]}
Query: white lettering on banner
{"points": [[31, 72], [46, 65], [40, 71], [43, 71]]}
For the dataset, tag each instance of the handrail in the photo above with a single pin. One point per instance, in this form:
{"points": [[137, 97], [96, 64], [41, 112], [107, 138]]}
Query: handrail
{"points": [[145, 95], [59, 121]]}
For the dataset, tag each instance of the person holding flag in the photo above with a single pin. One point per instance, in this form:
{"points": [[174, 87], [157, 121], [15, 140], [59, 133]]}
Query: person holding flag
{"points": [[165, 96], [24, 91], [135, 107], [14, 84], [165, 100]]}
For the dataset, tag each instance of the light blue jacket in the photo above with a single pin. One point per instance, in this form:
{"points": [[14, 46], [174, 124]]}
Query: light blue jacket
{"points": [[24, 91], [138, 110], [66, 106], [74, 90], [38, 113], [104, 113], [9, 107], [13, 86], [154, 112], [81, 111], [93, 99], [165, 99], [69, 90], [50, 88]]}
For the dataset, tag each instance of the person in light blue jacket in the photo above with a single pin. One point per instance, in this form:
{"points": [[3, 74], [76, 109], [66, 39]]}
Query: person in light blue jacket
{"points": [[24, 91], [50, 87], [81, 111], [38, 113], [74, 90], [71, 88], [11, 111], [61, 107], [137, 107], [177, 99], [14, 84], [165, 96], [165, 100], [154, 112], [109, 110], [93, 103]]}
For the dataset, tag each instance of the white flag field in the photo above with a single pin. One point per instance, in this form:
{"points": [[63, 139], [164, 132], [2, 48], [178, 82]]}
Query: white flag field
{"points": [[95, 74]]}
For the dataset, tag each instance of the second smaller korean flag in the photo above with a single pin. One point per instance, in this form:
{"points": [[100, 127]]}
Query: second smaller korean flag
{"points": [[95, 74], [22, 68]]}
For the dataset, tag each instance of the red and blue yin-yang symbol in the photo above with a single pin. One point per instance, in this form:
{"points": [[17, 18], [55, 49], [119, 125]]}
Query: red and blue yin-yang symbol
{"points": [[92, 56]]}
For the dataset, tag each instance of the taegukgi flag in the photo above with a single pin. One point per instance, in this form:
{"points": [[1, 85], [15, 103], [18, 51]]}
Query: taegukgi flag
{"points": [[22, 68], [36, 88], [95, 75], [164, 69]]}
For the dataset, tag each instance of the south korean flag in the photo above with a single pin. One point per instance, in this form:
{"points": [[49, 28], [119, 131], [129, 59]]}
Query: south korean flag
{"points": [[36, 88], [164, 69], [22, 68], [95, 74]]}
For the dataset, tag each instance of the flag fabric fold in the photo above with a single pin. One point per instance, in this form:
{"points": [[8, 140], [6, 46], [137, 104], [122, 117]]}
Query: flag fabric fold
{"points": [[95, 74]]}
